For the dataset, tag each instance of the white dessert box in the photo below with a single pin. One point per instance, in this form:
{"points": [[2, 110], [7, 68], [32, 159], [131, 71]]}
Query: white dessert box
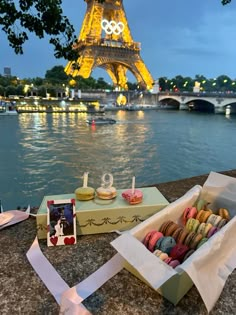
{"points": [[214, 260]]}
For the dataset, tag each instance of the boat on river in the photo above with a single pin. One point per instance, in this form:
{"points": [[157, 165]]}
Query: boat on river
{"points": [[100, 121], [6, 109], [137, 107], [83, 106]]}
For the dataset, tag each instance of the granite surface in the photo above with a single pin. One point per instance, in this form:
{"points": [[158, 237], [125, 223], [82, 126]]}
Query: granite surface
{"points": [[22, 292]]}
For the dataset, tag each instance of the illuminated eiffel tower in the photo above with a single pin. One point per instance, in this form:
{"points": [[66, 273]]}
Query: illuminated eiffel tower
{"points": [[105, 41]]}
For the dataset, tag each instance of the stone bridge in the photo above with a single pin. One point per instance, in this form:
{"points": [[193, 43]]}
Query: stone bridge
{"points": [[218, 103]]}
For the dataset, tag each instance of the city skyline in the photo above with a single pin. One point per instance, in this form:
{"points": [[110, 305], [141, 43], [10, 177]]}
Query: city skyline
{"points": [[177, 38]]}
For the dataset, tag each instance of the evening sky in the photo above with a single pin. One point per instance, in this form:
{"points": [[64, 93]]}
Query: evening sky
{"points": [[178, 37]]}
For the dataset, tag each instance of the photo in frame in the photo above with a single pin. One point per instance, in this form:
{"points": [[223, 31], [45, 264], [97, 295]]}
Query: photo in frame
{"points": [[61, 222]]}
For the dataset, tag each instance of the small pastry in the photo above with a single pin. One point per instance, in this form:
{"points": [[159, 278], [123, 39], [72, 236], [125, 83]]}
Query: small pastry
{"points": [[133, 196], [168, 228], [192, 225], [174, 263], [151, 239], [204, 228], [214, 219], [192, 240], [106, 191], [212, 231], [160, 254], [85, 193], [189, 212], [179, 251], [165, 244], [224, 213]]}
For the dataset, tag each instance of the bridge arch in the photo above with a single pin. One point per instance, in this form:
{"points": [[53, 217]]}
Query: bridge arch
{"points": [[170, 102], [201, 105]]}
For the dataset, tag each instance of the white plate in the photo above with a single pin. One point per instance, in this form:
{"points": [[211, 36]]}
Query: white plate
{"points": [[5, 217]]}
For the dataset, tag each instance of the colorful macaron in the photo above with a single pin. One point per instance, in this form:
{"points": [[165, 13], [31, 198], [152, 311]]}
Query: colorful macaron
{"points": [[179, 251], [180, 234], [168, 228], [204, 228], [174, 263], [203, 215], [84, 193], [212, 231], [151, 239], [192, 240], [133, 197], [165, 244], [192, 225], [222, 223], [214, 219], [201, 204], [160, 254], [224, 213], [189, 212]]}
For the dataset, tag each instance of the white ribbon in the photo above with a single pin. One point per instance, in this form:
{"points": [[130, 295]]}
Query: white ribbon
{"points": [[70, 299]]}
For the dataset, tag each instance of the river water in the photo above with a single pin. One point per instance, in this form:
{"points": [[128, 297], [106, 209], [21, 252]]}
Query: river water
{"points": [[47, 154]]}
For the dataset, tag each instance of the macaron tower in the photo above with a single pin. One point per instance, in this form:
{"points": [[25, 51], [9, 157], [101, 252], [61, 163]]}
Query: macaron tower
{"points": [[85, 193], [106, 191], [133, 196]]}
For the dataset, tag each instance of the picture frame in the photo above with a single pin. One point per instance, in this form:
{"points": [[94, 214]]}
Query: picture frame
{"points": [[61, 222]]}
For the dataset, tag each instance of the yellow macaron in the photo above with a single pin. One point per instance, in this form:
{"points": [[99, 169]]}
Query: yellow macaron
{"points": [[84, 193]]}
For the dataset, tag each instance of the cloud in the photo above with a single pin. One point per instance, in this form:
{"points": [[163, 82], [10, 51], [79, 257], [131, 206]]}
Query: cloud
{"points": [[209, 46]]}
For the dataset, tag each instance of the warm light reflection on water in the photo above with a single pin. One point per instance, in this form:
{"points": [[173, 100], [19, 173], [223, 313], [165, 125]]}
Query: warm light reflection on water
{"points": [[45, 154]]}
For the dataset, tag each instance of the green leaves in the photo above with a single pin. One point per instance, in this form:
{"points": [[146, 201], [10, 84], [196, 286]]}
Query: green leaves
{"points": [[224, 2], [40, 17]]}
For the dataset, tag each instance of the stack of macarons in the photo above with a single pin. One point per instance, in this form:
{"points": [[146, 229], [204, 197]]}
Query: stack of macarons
{"points": [[181, 234], [206, 222], [165, 246], [174, 243]]}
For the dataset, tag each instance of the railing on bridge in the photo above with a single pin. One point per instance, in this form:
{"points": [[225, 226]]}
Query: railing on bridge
{"points": [[201, 94]]}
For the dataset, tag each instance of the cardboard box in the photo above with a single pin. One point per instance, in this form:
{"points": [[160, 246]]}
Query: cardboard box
{"points": [[173, 284], [102, 216]]}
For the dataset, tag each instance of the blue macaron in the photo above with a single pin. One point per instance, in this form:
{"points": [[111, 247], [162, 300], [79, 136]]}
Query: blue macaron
{"points": [[165, 244]]}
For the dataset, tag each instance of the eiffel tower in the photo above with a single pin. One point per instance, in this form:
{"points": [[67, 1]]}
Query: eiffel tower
{"points": [[105, 41]]}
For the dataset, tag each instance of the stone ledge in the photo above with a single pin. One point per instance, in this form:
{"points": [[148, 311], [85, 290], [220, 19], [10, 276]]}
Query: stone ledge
{"points": [[22, 292]]}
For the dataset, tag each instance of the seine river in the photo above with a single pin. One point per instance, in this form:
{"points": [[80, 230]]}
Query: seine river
{"points": [[47, 154]]}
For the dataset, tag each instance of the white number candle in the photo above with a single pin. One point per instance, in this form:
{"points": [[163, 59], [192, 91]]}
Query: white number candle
{"points": [[133, 184], [85, 184]]}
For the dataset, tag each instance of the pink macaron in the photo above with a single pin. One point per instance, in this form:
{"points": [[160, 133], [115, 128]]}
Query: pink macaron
{"points": [[151, 239], [133, 196], [189, 212]]}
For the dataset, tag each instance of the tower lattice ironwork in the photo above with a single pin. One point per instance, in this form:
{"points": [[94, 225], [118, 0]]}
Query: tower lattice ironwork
{"points": [[105, 41]]}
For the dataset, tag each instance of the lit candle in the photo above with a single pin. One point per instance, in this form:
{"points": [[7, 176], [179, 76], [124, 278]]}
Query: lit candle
{"points": [[133, 184], [85, 184]]}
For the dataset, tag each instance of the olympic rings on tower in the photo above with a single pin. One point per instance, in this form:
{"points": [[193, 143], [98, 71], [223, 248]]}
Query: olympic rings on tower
{"points": [[112, 27]]}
